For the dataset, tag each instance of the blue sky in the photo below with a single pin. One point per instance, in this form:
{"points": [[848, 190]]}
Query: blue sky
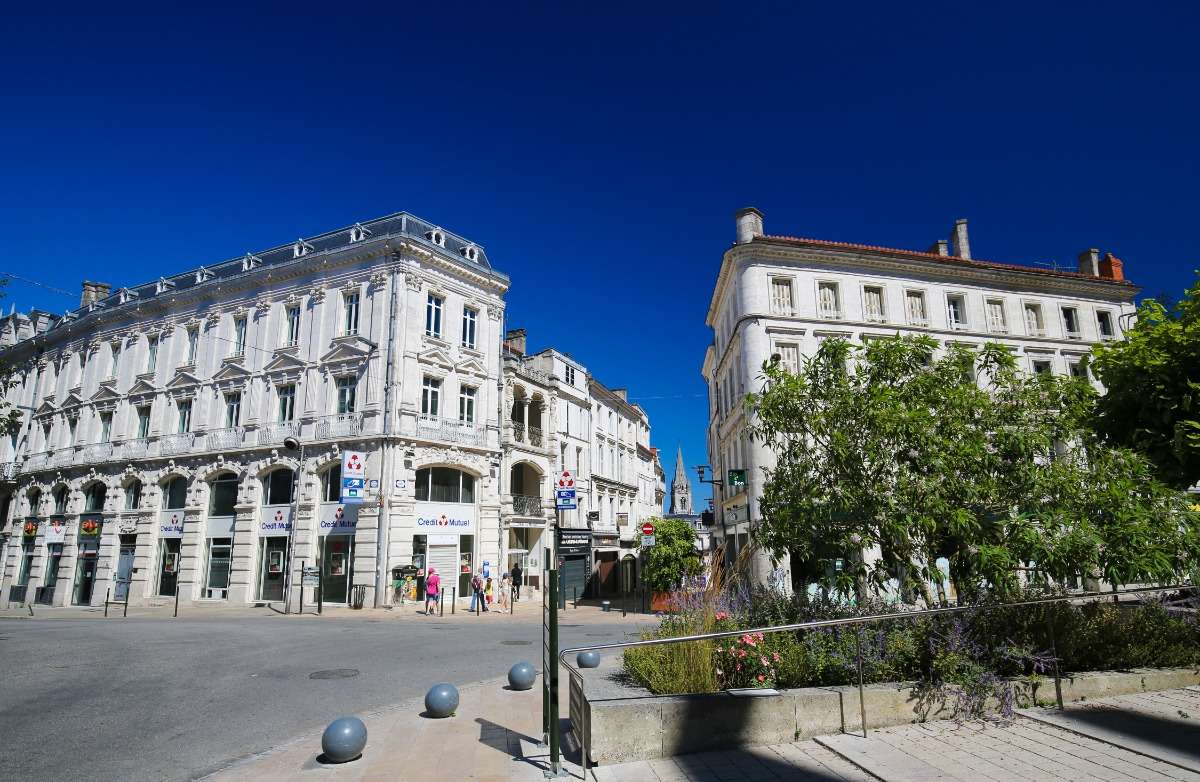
{"points": [[598, 151]]}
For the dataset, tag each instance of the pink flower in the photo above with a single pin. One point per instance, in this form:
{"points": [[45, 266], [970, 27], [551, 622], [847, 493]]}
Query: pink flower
{"points": [[759, 636], [762, 678], [722, 615], [762, 658], [741, 652], [775, 656], [739, 666]]}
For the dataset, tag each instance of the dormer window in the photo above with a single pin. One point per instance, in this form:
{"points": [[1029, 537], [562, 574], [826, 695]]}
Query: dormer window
{"points": [[437, 237], [203, 274], [470, 252], [163, 285], [358, 233], [250, 262], [301, 248]]}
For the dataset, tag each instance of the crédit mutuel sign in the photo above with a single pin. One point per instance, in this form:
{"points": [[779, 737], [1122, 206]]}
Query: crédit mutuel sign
{"points": [[437, 517]]}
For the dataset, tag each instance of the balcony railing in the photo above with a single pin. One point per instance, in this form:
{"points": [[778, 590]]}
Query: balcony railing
{"points": [[9, 470], [449, 430], [96, 452], [274, 434], [527, 434], [133, 449], [225, 439], [181, 442], [37, 461], [524, 505], [63, 458], [344, 425]]}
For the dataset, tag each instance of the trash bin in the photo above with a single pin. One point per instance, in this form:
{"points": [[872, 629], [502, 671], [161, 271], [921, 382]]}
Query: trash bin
{"points": [[358, 596]]}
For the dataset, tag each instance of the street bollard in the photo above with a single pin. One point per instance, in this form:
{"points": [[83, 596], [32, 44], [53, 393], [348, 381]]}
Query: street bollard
{"points": [[302, 587], [521, 676], [344, 739], [624, 603], [442, 603], [177, 601], [441, 701], [453, 598], [128, 589], [107, 592], [575, 596]]}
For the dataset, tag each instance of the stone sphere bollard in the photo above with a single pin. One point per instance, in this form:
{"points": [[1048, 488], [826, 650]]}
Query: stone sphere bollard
{"points": [[344, 739], [521, 676], [588, 659], [441, 700]]}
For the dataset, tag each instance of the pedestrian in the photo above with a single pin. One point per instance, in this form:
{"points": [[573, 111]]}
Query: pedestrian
{"points": [[505, 589], [487, 593], [433, 584], [516, 582]]}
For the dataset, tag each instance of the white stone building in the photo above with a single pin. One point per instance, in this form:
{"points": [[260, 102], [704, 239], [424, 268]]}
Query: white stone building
{"points": [[151, 453], [781, 295]]}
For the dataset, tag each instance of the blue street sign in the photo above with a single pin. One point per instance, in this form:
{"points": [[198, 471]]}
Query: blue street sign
{"points": [[564, 499]]}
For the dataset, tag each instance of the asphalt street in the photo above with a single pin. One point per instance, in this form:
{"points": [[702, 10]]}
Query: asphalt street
{"points": [[155, 699]]}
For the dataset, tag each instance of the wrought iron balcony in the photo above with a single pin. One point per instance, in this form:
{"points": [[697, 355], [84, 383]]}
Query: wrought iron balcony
{"points": [[224, 439], [182, 442], [96, 452], [274, 434], [63, 457], [449, 430], [9, 470], [527, 434], [332, 427], [524, 505], [37, 461], [134, 449]]}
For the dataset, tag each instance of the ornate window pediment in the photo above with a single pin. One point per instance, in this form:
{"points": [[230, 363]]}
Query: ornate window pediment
{"points": [[46, 408], [232, 370], [183, 379], [141, 388], [284, 363], [106, 393], [471, 366], [436, 356]]}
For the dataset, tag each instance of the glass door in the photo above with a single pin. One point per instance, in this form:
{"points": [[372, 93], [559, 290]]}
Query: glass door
{"points": [[272, 567], [220, 553], [85, 577], [168, 575], [337, 558], [124, 567]]}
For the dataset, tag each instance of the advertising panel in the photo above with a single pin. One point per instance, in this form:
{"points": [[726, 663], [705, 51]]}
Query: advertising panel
{"points": [[276, 521], [170, 524], [445, 517], [335, 518], [56, 530]]}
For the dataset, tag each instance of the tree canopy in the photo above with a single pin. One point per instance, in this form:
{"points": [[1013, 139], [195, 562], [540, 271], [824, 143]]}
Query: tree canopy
{"points": [[1152, 387], [883, 448], [673, 555]]}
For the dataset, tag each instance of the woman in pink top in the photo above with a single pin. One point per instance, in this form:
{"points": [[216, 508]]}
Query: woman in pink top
{"points": [[433, 585]]}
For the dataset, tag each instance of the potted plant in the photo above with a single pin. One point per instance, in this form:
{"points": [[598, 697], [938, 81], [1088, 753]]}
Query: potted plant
{"points": [[669, 561]]}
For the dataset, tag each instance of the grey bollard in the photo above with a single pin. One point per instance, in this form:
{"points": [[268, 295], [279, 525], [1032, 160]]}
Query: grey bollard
{"points": [[588, 659], [521, 676], [606, 606], [441, 700], [344, 739]]}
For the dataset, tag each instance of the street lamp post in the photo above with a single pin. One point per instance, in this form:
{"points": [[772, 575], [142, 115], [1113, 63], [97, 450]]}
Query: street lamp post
{"points": [[292, 444]]}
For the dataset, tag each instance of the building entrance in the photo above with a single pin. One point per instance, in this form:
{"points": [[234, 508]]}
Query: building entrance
{"points": [[125, 565], [337, 568], [85, 575], [168, 575], [272, 567]]}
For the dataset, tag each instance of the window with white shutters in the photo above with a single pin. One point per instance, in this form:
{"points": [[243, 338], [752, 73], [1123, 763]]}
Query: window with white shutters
{"points": [[873, 303], [995, 317], [781, 296], [1033, 320], [789, 356], [828, 301], [956, 311], [914, 303], [1071, 322]]}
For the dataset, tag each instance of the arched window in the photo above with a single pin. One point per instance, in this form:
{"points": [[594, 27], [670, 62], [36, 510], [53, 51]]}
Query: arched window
{"points": [[445, 484], [60, 500], [175, 493], [277, 487], [133, 495], [93, 501], [35, 498], [223, 495], [333, 484]]}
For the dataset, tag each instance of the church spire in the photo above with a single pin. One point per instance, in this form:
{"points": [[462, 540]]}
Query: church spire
{"points": [[681, 487]]}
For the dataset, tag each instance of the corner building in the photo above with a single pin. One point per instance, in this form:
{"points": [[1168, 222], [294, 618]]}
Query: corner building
{"points": [[151, 454], [778, 297]]}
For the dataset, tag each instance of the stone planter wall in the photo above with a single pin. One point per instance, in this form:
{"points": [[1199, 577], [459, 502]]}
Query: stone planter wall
{"points": [[628, 723]]}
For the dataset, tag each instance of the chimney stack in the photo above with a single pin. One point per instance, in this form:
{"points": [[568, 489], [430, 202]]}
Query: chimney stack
{"points": [[1089, 262], [749, 224], [958, 239], [514, 340], [940, 247], [93, 291], [1111, 267]]}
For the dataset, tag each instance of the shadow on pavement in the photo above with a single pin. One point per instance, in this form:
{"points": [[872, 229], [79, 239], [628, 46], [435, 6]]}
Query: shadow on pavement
{"points": [[1179, 736]]}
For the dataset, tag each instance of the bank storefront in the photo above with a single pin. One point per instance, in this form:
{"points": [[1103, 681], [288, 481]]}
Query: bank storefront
{"points": [[336, 526], [446, 526]]}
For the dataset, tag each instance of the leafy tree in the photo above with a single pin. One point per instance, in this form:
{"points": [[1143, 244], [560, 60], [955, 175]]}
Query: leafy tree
{"points": [[1152, 382], [673, 555], [882, 449]]}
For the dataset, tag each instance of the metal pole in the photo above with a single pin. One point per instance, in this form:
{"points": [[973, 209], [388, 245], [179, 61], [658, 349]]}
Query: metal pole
{"points": [[128, 587], [291, 547], [862, 702], [1054, 651], [453, 598], [320, 591], [107, 592], [302, 587], [176, 599], [624, 602], [552, 661], [575, 595], [442, 603]]}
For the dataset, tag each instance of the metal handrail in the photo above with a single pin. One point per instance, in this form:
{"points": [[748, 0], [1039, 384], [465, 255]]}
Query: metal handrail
{"points": [[576, 674]]}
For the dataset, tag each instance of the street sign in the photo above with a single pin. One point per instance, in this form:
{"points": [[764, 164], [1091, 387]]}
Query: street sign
{"points": [[354, 477], [647, 528], [736, 481], [564, 499], [312, 577], [647, 541]]}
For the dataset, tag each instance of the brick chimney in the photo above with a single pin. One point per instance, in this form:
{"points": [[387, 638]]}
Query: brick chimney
{"points": [[1089, 262], [93, 291], [940, 247], [1111, 267], [958, 239], [514, 340], [749, 224]]}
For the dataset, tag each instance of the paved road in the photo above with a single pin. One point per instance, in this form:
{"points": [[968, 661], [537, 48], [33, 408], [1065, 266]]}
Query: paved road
{"points": [[152, 699]]}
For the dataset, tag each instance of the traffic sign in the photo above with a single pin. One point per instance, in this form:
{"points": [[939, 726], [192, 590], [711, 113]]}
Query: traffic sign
{"points": [[647, 540], [648, 529]]}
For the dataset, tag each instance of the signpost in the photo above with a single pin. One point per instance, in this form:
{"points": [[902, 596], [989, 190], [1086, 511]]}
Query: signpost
{"points": [[648, 528], [564, 492], [354, 477]]}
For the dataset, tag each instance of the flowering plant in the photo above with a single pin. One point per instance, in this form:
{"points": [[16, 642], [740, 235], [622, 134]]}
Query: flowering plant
{"points": [[750, 660], [89, 527], [30, 529]]}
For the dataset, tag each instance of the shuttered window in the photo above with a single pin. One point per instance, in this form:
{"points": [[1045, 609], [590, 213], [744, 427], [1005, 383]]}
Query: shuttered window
{"points": [[781, 297]]}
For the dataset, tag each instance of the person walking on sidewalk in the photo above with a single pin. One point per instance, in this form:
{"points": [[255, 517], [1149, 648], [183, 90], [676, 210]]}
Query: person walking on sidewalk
{"points": [[477, 592], [505, 590], [516, 582], [433, 585]]}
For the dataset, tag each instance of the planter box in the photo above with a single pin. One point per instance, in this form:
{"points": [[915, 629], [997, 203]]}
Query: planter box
{"points": [[629, 723]]}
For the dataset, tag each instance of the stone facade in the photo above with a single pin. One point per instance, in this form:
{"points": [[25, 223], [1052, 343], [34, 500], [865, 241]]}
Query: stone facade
{"points": [[156, 417], [779, 297]]}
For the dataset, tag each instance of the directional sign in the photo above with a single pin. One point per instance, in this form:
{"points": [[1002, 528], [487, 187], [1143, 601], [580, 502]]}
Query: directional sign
{"points": [[647, 528], [647, 541]]}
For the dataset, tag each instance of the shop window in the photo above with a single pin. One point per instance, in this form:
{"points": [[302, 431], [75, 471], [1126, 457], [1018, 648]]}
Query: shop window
{"points": [[223, 495], [133, 495], [94, 498], [444, 484], [333, 484], [175, 493], [277, 487]]}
